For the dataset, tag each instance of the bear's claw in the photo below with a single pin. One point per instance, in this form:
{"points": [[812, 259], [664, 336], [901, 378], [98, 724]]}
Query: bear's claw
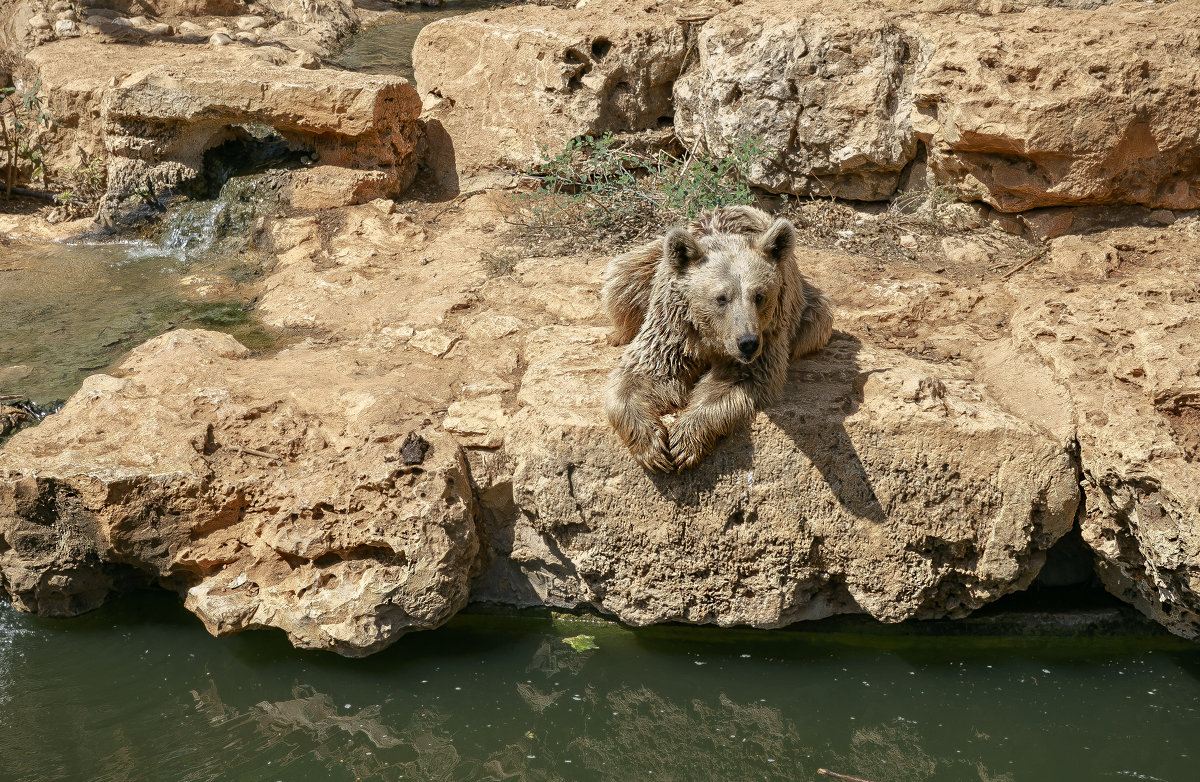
{"points": [[685, 450]]}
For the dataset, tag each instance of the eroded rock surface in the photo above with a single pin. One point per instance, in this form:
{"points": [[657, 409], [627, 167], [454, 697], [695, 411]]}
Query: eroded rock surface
{"points": [[1125, 337], [269, 500], [1007, 102]]}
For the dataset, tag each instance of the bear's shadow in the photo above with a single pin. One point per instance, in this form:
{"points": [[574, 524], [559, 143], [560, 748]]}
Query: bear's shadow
{"points": [[821, 392]]}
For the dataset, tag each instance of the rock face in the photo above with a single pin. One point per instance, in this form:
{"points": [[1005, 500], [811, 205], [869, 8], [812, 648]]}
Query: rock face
{"points": [[877, 484], [159, 123], [826, 94], [1008, 107], [1124, 337], [502, 83], [240, 489]]}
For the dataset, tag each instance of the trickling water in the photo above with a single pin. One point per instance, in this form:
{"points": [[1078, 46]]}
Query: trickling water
{"points": [[388, 48], [70, 310]]}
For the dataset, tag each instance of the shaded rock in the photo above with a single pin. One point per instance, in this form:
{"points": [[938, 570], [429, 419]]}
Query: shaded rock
{"points": [[878, 484], [259, 496]]}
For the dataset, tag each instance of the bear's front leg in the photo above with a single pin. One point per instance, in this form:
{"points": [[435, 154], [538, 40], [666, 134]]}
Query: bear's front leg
{"points": [[634, 405], [725, 398], [719, 404]]}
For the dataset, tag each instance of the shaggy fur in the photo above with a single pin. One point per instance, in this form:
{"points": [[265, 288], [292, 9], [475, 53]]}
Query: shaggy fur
{"points": [[712, 314]]}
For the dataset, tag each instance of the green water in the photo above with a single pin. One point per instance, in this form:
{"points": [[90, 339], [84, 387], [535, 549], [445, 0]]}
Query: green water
{"points": [[139, 691], [71, 310], [387, 48]]}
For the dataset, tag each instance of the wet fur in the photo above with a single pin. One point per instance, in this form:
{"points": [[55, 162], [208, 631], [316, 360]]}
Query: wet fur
{"points": [[680, 358]]}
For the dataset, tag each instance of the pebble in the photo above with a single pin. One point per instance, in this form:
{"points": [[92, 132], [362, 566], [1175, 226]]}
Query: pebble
{"points": [[65, 28]]}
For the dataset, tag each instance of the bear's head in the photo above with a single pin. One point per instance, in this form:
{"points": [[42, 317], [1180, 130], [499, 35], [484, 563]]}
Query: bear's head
{"points": [[732, 284]]}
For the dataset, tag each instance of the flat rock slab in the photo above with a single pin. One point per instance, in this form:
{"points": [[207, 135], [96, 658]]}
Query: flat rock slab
{"points": [[878, 484], [269, 498]]}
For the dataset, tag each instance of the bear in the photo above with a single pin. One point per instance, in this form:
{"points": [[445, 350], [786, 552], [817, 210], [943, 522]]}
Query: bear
{"points": [[712, 315]]}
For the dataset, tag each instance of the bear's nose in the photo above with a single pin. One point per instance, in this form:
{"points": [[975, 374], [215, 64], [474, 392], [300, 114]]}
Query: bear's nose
{"points": [[748, 344]]}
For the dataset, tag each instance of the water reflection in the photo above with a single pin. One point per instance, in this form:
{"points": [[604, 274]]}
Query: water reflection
{"points": [[108, 696]]}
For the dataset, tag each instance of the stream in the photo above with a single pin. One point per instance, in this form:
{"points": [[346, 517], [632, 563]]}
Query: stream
{"points": [[74, 309]]}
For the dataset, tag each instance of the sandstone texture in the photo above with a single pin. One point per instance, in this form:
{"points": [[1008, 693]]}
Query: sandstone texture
{"points": [[501, 84], [241, 490], [1020, 106]]}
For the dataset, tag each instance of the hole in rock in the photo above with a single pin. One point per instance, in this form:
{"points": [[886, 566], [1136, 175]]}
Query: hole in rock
{"points": [[601, 47]]}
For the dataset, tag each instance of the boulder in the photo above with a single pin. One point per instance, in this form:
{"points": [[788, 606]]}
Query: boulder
{"points": [[269, 501], [159, 122], [505, 83], [823, 88], [878, 484]]}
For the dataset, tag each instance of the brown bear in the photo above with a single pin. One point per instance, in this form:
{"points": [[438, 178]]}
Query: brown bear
{"points": [[713, 315]]}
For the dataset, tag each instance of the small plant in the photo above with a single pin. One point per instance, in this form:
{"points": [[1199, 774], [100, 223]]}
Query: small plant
{"points": [[22, 114], [596, 183], [929, 206], [80, 189]]}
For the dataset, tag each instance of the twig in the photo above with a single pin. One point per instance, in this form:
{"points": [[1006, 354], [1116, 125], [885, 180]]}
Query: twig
{"points": [[253, 452], [11, 397], [844, 777], [1016, 269]]}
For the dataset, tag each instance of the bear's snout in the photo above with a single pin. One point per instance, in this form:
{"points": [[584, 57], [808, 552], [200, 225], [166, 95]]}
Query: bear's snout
{"points": [[748, 345]]}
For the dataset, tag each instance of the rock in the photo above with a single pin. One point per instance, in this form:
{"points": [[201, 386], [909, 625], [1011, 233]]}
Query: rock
{"points": [[325, 187], [220, 39], [1126, 347], [822, 507], [251, 22], [159, 121], [478, 422], [435, 342], [566, 75], [65, 28], [842, 94], [161, 29], [191, 28], [244, 493], [1162, 216], [61, 5], [823, 91], [246, 37], [39, 22], [908, 241], [67, 16], [964, 252]]}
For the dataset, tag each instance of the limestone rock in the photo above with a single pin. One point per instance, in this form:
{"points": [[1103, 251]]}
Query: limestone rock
{"points": [[243, 491], [1126, 346], [878, 484], [825, 92], [325, 187], [503, 82], [159, 122]]}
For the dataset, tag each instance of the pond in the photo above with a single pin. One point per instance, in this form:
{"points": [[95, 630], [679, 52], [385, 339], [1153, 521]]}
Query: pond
{"points": [[138, 690]]}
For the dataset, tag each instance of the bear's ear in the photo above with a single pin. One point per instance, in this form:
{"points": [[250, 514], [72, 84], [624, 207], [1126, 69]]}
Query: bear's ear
{"points": [[778, 241], [681, 250]]}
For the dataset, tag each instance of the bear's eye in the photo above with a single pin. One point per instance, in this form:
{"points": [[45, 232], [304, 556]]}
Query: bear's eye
{"points": [[722, 300], [758, 298]]}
